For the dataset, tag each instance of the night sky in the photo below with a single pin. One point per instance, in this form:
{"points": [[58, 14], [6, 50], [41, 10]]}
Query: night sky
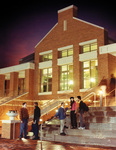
{"points": [[24, 24]]}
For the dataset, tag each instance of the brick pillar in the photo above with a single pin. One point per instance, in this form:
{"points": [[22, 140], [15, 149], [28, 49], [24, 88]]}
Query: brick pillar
{"points": [[76, 71], [2, 85], [13, 83], [102, 66], [55, 74], [29, 82], [37, 83]]}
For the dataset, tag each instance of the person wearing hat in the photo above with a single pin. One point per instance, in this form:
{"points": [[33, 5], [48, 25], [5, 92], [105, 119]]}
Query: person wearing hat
{"points": [[73, 107]]}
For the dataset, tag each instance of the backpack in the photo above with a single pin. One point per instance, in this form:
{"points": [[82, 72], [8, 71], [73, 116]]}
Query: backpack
{"points": [[86, 108]]}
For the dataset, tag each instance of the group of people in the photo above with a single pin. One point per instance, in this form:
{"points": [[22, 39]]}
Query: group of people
{"points": [[73, 114], [24, 116]]}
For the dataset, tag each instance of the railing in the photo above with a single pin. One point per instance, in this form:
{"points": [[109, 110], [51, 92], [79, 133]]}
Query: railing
{"points": [[90, 95], [5, 100], [49, 106], [109, 94], [90, 90]]}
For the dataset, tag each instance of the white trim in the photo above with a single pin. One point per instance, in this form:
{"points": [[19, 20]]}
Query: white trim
{"points": [[17, 68], [88, 42], [111, 49], [88, 56], [62, 92], [11, 121], [46, 64], [65, 60], [65, 47], [46, 52], [66, 8], [46, 35], [88, 23], [45, 93]]}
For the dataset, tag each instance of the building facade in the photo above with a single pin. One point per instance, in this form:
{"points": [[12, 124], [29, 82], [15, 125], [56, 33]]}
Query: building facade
{"points": [[73, 57]]}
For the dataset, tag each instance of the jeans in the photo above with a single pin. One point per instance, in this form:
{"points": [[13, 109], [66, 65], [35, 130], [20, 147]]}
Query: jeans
{"points": [[81, 118], [35, 128], [23, 128]]}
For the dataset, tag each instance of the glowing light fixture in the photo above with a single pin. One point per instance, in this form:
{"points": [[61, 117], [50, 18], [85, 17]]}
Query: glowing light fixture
{"points": [[41, 120], [92, 80], [71, 82]]}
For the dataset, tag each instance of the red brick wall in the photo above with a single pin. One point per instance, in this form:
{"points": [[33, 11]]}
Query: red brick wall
{"points": [[77, 31]]}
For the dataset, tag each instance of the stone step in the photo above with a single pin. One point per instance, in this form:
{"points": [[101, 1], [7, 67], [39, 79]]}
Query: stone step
{"points": [[94, 119], [101, 113], [91, 125], [84, 140], [85, 132], [100, 126], [111, 108]]}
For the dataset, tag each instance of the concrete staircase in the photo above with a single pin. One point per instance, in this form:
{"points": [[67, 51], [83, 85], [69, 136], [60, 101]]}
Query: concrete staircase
{"points": [[100, 128]]}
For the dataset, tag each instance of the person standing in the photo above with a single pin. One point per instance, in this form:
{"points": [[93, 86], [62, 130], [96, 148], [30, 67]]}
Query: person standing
{"points": [[73, 115], [24, 116], [82, 108], [35, 126], [62, 115]]}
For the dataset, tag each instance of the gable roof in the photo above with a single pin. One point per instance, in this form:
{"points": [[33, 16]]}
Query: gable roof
{"points": [[88, 23], [46, 35]]}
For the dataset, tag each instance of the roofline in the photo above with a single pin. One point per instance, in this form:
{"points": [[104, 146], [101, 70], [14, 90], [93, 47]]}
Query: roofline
{"points": [[88, 23], [66, 8], [46, 35], [17, 68]]}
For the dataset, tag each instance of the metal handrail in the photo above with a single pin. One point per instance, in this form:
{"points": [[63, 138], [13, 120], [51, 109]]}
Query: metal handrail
{"points": [[10, 98], [89, 95]]}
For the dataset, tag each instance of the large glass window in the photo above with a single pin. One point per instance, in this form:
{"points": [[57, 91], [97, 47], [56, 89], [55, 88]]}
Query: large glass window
{"points": [[66, 77], [46, 80], [46, 57], [89, 47], [66, 53], [90, 74]]}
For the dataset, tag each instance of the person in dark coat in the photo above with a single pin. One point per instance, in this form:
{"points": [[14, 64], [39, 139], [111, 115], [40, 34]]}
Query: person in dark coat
{"points": [[82, 108], [35, 126], [112, 85]]}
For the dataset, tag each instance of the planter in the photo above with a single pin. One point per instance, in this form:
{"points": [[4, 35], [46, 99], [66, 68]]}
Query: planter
{"points": [[12, 114]]}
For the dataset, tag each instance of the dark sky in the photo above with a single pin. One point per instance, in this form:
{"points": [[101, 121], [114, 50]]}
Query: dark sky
{"points": [[24, 24]]}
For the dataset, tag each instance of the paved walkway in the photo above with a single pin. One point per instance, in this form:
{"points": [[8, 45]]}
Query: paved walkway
{"points": [[36, 145]]}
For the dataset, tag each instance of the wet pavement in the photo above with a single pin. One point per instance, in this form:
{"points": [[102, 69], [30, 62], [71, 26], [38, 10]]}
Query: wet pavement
{"points": [[26, 144]]}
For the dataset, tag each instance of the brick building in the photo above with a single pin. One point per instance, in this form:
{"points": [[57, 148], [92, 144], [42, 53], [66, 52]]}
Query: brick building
{"points": [[71, 58]]}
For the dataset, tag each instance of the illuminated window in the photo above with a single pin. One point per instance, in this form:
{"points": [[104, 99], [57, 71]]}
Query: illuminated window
{"points": [[89, 47], [46, 57], [90, 74], [66, 77], [66, 53], [46, 80]]}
